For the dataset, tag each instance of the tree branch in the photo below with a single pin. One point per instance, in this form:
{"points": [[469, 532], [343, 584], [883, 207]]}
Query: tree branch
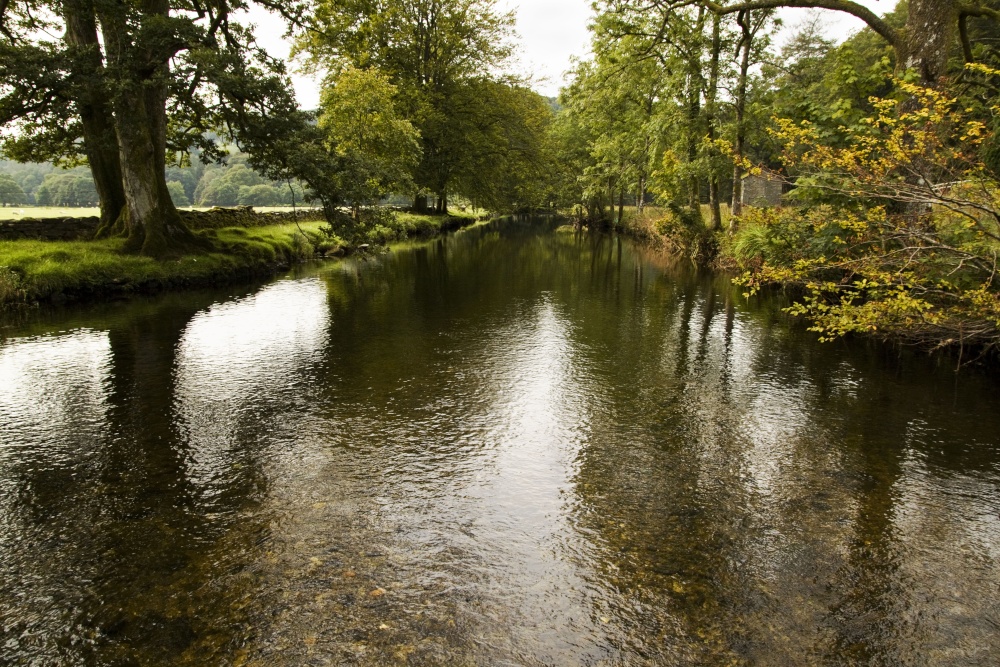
{"points": [[963, 32], [977, 10], [874, 22]]}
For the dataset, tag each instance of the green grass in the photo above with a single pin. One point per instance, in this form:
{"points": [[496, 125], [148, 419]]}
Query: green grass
{"points": [[32, 271], [52, 270], [407, 225]]}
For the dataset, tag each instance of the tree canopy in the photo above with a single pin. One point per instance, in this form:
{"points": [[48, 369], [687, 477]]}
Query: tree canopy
{"points": [[883, 148], [125, 84], [446, 60]]}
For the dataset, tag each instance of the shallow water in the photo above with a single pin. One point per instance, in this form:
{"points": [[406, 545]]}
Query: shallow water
{"points": [[507, 447]]}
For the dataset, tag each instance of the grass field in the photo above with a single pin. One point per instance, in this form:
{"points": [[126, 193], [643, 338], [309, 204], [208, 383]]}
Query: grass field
{"points": [[17, 212], [33, 270], [43, 270]]}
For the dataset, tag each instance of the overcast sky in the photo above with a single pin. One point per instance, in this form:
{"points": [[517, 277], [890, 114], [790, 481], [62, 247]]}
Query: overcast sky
{"points": [[551, 32]]}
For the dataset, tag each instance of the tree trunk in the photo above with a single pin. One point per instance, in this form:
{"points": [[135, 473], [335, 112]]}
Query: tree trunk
{"points": [[442, 203], [713, 93], [694, 112], [140, 120], [420, 203], [621, 206], [926, 42], [746, 43], [99, 140]]}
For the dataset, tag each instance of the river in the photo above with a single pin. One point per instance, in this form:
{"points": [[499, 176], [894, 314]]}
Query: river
{"points": [[510, 446]]}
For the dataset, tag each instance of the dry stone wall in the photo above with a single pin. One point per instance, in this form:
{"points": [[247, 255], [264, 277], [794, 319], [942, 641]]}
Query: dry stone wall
{"points": [[73, 229], [48, 229]]}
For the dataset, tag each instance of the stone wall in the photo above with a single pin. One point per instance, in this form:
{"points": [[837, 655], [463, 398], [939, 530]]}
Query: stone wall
{"points": [[73, 229], [764, 190], [49, 229], [245, 216]]}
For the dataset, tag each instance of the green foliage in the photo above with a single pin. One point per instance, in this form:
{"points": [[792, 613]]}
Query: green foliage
{"points": [[11, 290], [751, 245], [378, 147], [645, 114], [177, 193], [908, 249], [67, 189], [505, 160], [11, 193], [481, 134]]}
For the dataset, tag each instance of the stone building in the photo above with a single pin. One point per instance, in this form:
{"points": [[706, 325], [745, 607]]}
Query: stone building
{"points": [[763, 190]]}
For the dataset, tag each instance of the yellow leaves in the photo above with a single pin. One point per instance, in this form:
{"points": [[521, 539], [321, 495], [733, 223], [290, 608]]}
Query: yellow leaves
{"points": [[975, 132], [922, 267], [899, 137]]}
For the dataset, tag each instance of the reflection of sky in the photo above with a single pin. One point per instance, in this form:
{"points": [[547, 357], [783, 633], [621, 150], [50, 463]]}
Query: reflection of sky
{"points": [[52, 421], [50, 386], [239, 359]]}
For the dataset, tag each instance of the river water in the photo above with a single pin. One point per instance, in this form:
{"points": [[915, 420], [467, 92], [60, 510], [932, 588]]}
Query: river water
{"points": [[512, 446]]}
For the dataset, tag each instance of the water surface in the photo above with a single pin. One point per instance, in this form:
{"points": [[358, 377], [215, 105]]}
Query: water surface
{"points": [[506, 447]]}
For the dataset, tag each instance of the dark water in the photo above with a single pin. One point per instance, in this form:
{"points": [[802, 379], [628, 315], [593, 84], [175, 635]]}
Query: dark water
{"points": [[509, 447]]}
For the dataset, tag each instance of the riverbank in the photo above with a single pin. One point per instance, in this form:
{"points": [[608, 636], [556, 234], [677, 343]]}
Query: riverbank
{"points": [[846, 274], [39, 271]]}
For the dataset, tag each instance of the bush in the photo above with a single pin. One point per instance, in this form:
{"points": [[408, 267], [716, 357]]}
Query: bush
{"points": [[11, 289]]}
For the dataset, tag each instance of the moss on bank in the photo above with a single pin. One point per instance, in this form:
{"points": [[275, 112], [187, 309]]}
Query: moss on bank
{"points": [[39, 271], [405, 225]]}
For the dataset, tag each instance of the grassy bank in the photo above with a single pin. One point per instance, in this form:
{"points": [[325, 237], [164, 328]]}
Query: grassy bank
{"points": [[40, 271]]}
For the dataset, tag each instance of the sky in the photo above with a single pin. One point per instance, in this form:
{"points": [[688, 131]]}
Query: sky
{"points": [[550, 33]]}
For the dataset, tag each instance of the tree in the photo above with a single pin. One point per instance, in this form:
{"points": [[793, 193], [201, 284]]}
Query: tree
{"points": [[259, 195], [504, 158], [11, 194], [429, 50], [901, 233], [103, 93], [177, 194], [749, 50], [379, 148], [67, 189], [220, 193], [924, 44]]}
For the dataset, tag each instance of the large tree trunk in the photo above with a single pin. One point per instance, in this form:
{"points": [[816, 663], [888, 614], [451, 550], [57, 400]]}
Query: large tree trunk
{"points": [[140, 120], [99, 139], [926, 42]]}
